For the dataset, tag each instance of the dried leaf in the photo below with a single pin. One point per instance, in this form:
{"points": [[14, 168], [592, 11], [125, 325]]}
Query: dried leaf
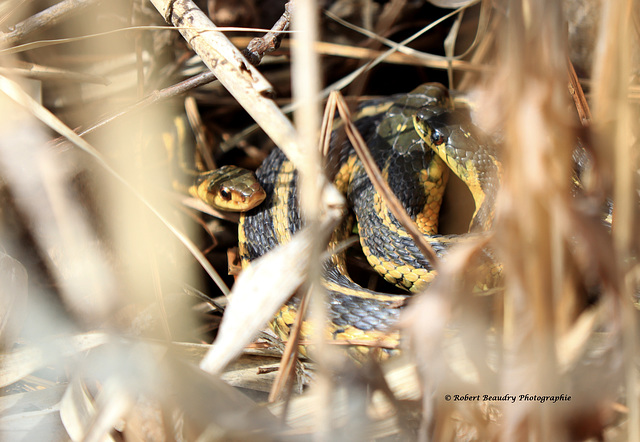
{"points": [[77, 409], [32, 416], [259, 292], [20, 363]]}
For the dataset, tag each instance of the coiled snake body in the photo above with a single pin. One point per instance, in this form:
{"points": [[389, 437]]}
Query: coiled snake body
{"points": [[411, 138]]}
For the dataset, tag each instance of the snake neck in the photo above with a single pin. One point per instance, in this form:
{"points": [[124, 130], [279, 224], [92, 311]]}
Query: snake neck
{"points": [[278, 218], [468, 152]]}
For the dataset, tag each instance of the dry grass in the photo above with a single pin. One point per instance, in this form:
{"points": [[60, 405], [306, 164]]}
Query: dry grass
{"points": [[106, 314]]}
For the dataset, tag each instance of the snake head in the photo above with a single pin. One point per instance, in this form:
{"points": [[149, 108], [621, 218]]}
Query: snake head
{"points": [[229, 188], [430, 123]]}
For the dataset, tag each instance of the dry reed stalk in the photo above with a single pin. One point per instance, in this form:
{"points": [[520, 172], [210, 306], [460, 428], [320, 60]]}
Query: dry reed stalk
{"points": [[534, 282], [550, 248], [616, 120], [539, 218], [314, 188]]}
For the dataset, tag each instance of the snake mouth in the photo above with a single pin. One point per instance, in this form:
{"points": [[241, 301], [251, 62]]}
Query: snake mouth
{"points": [[253, 196]]}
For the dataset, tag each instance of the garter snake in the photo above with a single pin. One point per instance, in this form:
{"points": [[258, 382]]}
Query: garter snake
{"points": [[410, 137], [416, 139]]}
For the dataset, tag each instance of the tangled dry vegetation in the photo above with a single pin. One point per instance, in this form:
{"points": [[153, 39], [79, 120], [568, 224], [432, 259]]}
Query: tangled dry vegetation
{"points": [[113, 284]]}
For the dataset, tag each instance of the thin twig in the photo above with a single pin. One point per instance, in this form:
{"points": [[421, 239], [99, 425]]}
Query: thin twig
{"points": [[402, 46], [259, 46], [283, 384], [358, 52], [155, 97], [44, 19], [203, 136], [44, 73], [578, 95]]}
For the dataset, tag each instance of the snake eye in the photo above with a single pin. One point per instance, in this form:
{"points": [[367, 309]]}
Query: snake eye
{"points": [[437, 138], [225, 193]]}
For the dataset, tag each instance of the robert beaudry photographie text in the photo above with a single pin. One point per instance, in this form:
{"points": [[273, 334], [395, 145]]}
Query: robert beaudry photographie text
{"points": [[507, 398]]}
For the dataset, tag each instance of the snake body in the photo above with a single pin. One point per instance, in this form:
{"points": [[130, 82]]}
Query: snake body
{"points": [[403, 135]]}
